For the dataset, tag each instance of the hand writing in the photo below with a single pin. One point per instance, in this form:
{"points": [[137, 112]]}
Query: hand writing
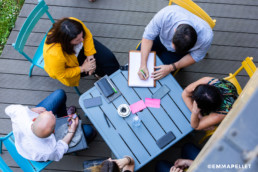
{"points": [[145, 71]]}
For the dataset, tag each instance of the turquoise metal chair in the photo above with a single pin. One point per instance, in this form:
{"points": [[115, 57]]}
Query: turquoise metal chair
{"points": [[24, 33], [25, 164]]}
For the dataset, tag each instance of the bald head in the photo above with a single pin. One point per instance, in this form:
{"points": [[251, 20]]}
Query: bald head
{"points": [[44, 125]]}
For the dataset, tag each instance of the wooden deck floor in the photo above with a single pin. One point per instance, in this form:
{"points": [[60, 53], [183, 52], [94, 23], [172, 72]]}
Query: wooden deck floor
{"points": [[119, 24]]}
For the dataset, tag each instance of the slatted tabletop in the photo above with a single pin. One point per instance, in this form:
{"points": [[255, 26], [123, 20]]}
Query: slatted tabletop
{"points": [[139, 142]]}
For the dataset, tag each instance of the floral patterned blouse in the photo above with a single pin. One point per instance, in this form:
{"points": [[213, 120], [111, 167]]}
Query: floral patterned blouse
{"points": [[229, 92]]}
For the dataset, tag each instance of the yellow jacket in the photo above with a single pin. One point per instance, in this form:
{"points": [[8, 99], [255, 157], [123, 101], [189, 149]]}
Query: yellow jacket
{"points": [[62, 66]]}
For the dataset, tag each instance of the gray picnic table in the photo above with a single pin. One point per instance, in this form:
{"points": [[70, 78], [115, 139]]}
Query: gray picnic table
{"points": [[122, 136]]}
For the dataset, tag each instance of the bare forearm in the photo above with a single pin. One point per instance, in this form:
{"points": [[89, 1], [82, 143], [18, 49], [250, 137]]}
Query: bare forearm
{"points": [[185, 61], [68, 137], [195, 120], [187, 99], [145, 50]]}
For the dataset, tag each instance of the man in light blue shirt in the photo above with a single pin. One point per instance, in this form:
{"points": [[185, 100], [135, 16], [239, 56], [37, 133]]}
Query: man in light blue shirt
{"points": [[179, 37]]}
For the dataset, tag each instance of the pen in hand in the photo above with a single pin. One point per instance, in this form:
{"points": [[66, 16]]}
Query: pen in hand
{"points": [[143, 73]]}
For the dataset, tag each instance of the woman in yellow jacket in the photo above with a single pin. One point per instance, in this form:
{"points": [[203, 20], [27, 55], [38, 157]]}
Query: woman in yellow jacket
{"points": [[71, 52]]}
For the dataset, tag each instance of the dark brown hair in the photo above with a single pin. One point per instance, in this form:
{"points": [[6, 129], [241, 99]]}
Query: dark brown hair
{"points": [[63, 32], [208, 98], [184, 38]]}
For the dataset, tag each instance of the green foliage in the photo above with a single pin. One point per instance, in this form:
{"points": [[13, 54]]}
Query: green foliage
{"points": [[9, 10]]}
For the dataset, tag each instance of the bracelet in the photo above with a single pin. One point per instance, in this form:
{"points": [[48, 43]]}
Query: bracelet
{"points": [[70, 132], [174, 66], [129, 159]]}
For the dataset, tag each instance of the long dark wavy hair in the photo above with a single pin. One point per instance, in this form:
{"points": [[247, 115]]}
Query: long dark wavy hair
{"points": [[63, 32], [208, 98]]}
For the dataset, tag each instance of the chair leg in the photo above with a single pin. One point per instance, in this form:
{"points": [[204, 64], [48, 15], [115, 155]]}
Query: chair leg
{"points": [[31, 69], [77, 90]]}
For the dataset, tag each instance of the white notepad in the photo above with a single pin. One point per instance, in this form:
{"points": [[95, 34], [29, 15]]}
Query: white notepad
{"points": [[134, 65]]}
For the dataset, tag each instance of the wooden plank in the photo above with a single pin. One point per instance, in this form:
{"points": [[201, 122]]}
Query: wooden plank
{"points": [[100, 29], [67, 163], [39, 83], [231, 53], [230, 11], [11, 96], [132, 5], [139, 18], [185, 78], [6, 126], [97, 29], [94, 15], [213, 66], [235, 2]]}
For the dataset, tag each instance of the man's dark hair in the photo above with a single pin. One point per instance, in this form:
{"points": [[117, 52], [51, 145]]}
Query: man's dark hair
{"points": [[207, 97], [184, 38], [63, 32]]}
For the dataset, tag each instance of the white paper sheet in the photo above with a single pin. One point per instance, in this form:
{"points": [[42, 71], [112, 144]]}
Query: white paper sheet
{"points": [[134, 65]]}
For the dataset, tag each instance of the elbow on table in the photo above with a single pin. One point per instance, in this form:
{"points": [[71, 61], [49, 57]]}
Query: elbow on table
{"points": [[195, 126]]}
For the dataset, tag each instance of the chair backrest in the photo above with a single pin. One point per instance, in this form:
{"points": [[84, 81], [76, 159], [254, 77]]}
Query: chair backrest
{"points": [[195, 9], [25, 164], [28, 26], [249, 67]]}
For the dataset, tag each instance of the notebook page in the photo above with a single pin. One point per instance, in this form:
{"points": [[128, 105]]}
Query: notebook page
{"points": [[134, 65]]}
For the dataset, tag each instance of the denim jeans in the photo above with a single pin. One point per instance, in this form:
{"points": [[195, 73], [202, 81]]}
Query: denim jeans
{"points": [[167, 57], [189, 151], [56, 102], [105, 60]]}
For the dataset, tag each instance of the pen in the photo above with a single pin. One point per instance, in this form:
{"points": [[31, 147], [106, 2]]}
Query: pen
{"points": [[106, 119], [113, 87], [143, 73]]}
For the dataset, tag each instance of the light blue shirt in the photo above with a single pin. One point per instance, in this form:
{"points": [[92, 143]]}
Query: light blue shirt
{"points": [[165, 22]]}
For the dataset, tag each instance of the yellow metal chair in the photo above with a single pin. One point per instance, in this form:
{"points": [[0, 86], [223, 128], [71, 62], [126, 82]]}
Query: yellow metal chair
{"points": [[250, 68], [195, 9]]}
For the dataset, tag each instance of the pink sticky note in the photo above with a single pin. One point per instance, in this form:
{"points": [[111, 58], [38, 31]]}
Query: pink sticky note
{"points": [[155, 103], [138, 106]]}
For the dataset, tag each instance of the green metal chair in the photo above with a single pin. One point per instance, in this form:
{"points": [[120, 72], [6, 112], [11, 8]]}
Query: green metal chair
{"points": [[26, 30], [25, 164]]}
